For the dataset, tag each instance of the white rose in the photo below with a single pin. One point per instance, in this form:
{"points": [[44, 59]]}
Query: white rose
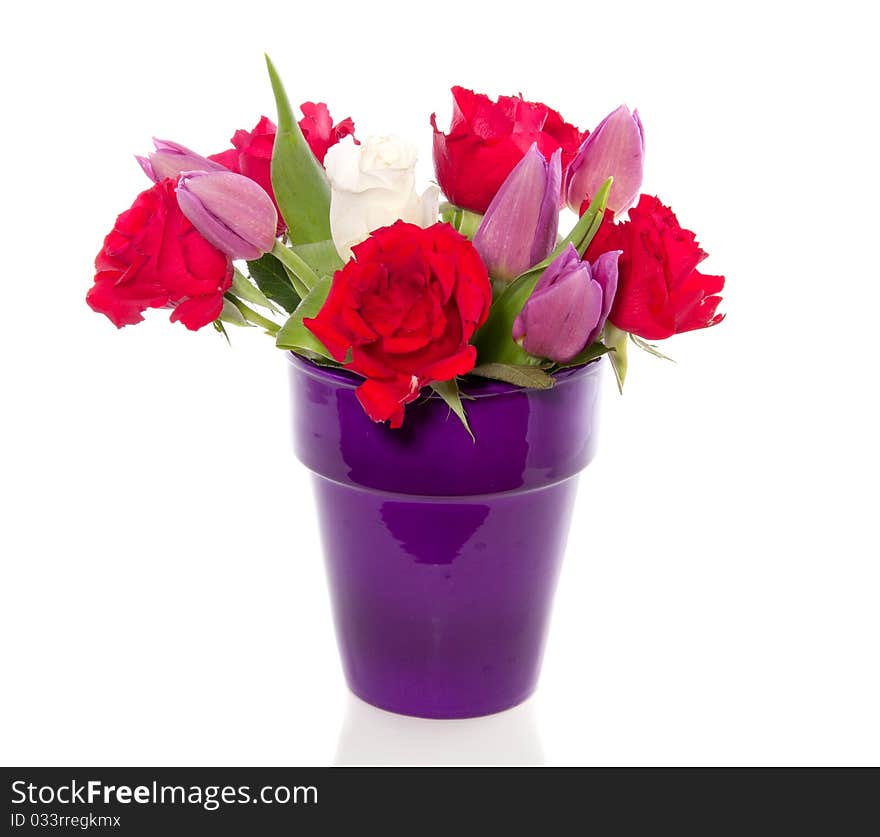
{"points": [[373, 185]]}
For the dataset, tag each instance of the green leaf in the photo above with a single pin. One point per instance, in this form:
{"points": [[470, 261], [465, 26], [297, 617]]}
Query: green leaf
{"points": [[448, 391], [588, 224], [321, 257], [219, 327], [466, 222], [301, 290], [301, 188], [650, 348], [530, 377], [230, 314], [320, 360], [250, 316], [243, 288], [461, 220], [588, 354], [615, 339], [273, 281], [494, 341], [294, 334], [300, 274], [447, 213]]}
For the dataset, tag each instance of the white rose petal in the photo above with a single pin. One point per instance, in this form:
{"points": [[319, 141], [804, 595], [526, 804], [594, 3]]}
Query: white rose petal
{"points": [[373, 185]]}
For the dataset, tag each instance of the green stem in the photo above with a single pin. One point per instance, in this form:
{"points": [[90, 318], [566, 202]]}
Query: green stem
{"points": [[296, 265], [253, 317]]}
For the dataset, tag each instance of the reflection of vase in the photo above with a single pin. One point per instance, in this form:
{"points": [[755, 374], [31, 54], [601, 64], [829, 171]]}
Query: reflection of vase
{"points": [[452, 525], [442, 554], [371, 737]]}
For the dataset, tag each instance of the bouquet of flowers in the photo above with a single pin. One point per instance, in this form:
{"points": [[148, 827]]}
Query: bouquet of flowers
{"points": [[442, 555], [322, 240]]}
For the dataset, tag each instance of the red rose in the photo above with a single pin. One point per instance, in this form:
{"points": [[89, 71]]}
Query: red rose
{"points": [[155, 258], [659, 292], [252, 151], [406, 306], [252, 155], [318, 128], [487, 139]]}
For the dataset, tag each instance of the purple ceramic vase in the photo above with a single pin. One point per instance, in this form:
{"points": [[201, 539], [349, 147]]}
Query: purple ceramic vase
{"points": [[442, 554]]}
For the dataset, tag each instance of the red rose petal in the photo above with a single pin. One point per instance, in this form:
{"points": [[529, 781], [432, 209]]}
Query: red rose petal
{"points": [[154, 257], [406, 307], [198, 311], [487, 139], [660, 292]]}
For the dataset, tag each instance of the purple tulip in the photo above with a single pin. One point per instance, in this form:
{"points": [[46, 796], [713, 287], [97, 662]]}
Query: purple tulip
{"points": [[170, 159], [615, 149], [520, 224], [231, 211], [568, 308]]}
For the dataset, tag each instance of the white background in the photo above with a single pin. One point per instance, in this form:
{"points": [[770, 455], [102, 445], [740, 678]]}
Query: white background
{"points": [[163, 598]]}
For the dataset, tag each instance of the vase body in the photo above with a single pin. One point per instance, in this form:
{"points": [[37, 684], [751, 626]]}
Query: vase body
{"points": [[443, 553]]}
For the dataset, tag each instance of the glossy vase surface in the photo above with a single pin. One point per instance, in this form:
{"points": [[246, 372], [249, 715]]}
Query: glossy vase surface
{"points": [[443, 553]]}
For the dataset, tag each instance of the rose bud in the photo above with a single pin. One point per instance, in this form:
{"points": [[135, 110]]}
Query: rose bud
{"points": [[568, 308], [615, 149], [230, 210], [519, 227], [170, 159]]}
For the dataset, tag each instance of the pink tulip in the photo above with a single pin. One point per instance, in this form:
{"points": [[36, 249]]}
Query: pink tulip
{"points": [[615, 149], [568, 308], [520, 225], [230, 210], [170, 159]]}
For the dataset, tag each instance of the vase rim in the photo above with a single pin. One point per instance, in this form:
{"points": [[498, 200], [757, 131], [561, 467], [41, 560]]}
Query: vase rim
{"points": [[481, 388]]}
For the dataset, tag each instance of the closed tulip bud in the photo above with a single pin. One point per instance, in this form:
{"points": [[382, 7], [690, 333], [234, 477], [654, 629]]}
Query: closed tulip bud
{"points": [[520, 225], [615, 149], [170, 159], [568, 308], [231, 211]]}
